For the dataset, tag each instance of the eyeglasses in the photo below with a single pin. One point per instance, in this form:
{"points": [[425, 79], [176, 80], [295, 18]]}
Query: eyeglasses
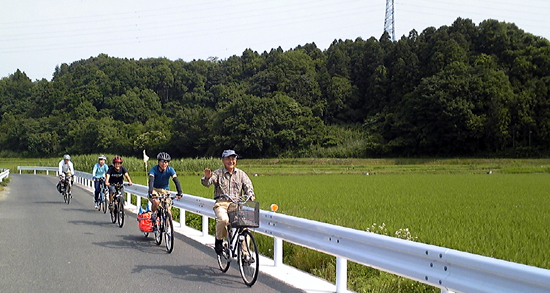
{"points": [[164, 161]]}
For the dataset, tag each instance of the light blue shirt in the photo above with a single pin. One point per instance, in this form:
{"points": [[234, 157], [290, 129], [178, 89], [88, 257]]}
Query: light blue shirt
{"points": [[100, 171]]}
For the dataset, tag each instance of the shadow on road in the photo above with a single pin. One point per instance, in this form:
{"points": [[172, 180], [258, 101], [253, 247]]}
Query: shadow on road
{"points": [[194, 273], [83, 210], [105, 223], [138, 242], [51, 202]]}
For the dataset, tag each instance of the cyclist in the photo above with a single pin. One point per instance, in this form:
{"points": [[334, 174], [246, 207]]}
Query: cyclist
{"points": [[66, 166], [230, 181], [159, 178], [98, 172], [115, 175]]}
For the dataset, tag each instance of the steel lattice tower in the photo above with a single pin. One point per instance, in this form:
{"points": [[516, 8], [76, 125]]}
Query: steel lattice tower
{"points": [[389, 24]]}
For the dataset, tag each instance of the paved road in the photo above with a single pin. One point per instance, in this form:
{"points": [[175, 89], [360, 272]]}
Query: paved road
{"points": [[49, 246]]}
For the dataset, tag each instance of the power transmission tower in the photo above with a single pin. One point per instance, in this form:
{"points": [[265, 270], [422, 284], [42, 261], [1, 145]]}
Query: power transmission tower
{"points": [[389, 24]]}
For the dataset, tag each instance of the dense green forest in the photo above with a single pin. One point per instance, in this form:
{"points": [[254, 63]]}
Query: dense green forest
{"points": [[458, 90]]}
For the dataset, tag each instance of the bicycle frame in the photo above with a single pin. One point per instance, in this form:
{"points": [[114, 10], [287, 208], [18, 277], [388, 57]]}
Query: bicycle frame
{"points": [[234, 235], [66, 186], [241, 246], [103, 193], [164, 223], [117, 195], [117, 213]]}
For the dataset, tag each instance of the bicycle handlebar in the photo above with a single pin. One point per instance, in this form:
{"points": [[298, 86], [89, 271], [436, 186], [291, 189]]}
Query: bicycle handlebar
{"points": [[120, 184], [165, 196]]}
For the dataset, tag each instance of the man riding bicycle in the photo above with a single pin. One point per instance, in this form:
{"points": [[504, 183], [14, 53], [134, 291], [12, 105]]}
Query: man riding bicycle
{"points": [[66, 167], [230, 181], [115, 175], [159, 179], [98, 172]]}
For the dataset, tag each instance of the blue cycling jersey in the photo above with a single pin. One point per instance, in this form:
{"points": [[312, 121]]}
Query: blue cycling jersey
{"points": [[162, 179]]}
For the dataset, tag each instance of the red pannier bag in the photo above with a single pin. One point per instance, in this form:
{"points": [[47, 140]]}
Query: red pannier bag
{"points": [[144, 222]]}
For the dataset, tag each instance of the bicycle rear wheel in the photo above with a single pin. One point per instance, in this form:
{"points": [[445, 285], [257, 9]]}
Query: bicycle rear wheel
{"points": [[120, 213], [224, 258], [169, 233], [248, 258]]}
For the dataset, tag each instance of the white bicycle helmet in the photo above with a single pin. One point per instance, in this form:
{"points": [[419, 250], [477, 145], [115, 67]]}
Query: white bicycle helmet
{"points": [[102, 157], [66, 157]]}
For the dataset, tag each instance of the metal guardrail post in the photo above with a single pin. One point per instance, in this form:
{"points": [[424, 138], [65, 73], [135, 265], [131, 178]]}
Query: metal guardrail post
{"points": [[182, 217], [204, 226], [341, 274], [277, 251]]}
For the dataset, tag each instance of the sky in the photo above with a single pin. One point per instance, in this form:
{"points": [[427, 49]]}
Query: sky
{"points": [[37, 35]]}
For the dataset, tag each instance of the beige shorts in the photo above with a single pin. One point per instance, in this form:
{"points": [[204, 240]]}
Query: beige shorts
{"points": [[160, 191]]}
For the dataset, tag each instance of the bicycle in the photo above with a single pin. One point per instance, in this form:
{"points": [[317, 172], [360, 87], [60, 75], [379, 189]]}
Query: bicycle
{"points": [[117, 213], [65, 187], [103, 192], [240, 243], [164, 224]]}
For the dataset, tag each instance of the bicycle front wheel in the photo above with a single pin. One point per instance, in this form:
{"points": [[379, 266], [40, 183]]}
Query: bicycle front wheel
{"points": [[248, 258], [113, 213], [65, 196], [120, 213], [169, 233]]}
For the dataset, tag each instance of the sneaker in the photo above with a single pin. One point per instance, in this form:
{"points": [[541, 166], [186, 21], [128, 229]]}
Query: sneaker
{"points": [[218, 246], [248, 259], [96, 206]]}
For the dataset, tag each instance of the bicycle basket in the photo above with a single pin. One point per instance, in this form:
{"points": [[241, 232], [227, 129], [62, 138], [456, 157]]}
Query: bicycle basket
{"points": [[244, 215]]}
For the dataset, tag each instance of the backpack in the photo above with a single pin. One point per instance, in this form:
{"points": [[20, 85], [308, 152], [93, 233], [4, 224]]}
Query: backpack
{"points": [[144, 221]]}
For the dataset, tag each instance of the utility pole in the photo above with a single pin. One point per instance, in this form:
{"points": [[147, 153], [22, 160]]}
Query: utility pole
{"points": [[389, 24]]}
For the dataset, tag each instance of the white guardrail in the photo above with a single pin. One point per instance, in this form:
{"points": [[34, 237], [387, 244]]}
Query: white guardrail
{"points": [[4, 174], [448, 269]]}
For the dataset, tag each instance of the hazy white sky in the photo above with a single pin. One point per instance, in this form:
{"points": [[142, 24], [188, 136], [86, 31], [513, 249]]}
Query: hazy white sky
{"points": [[37, 35]]}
